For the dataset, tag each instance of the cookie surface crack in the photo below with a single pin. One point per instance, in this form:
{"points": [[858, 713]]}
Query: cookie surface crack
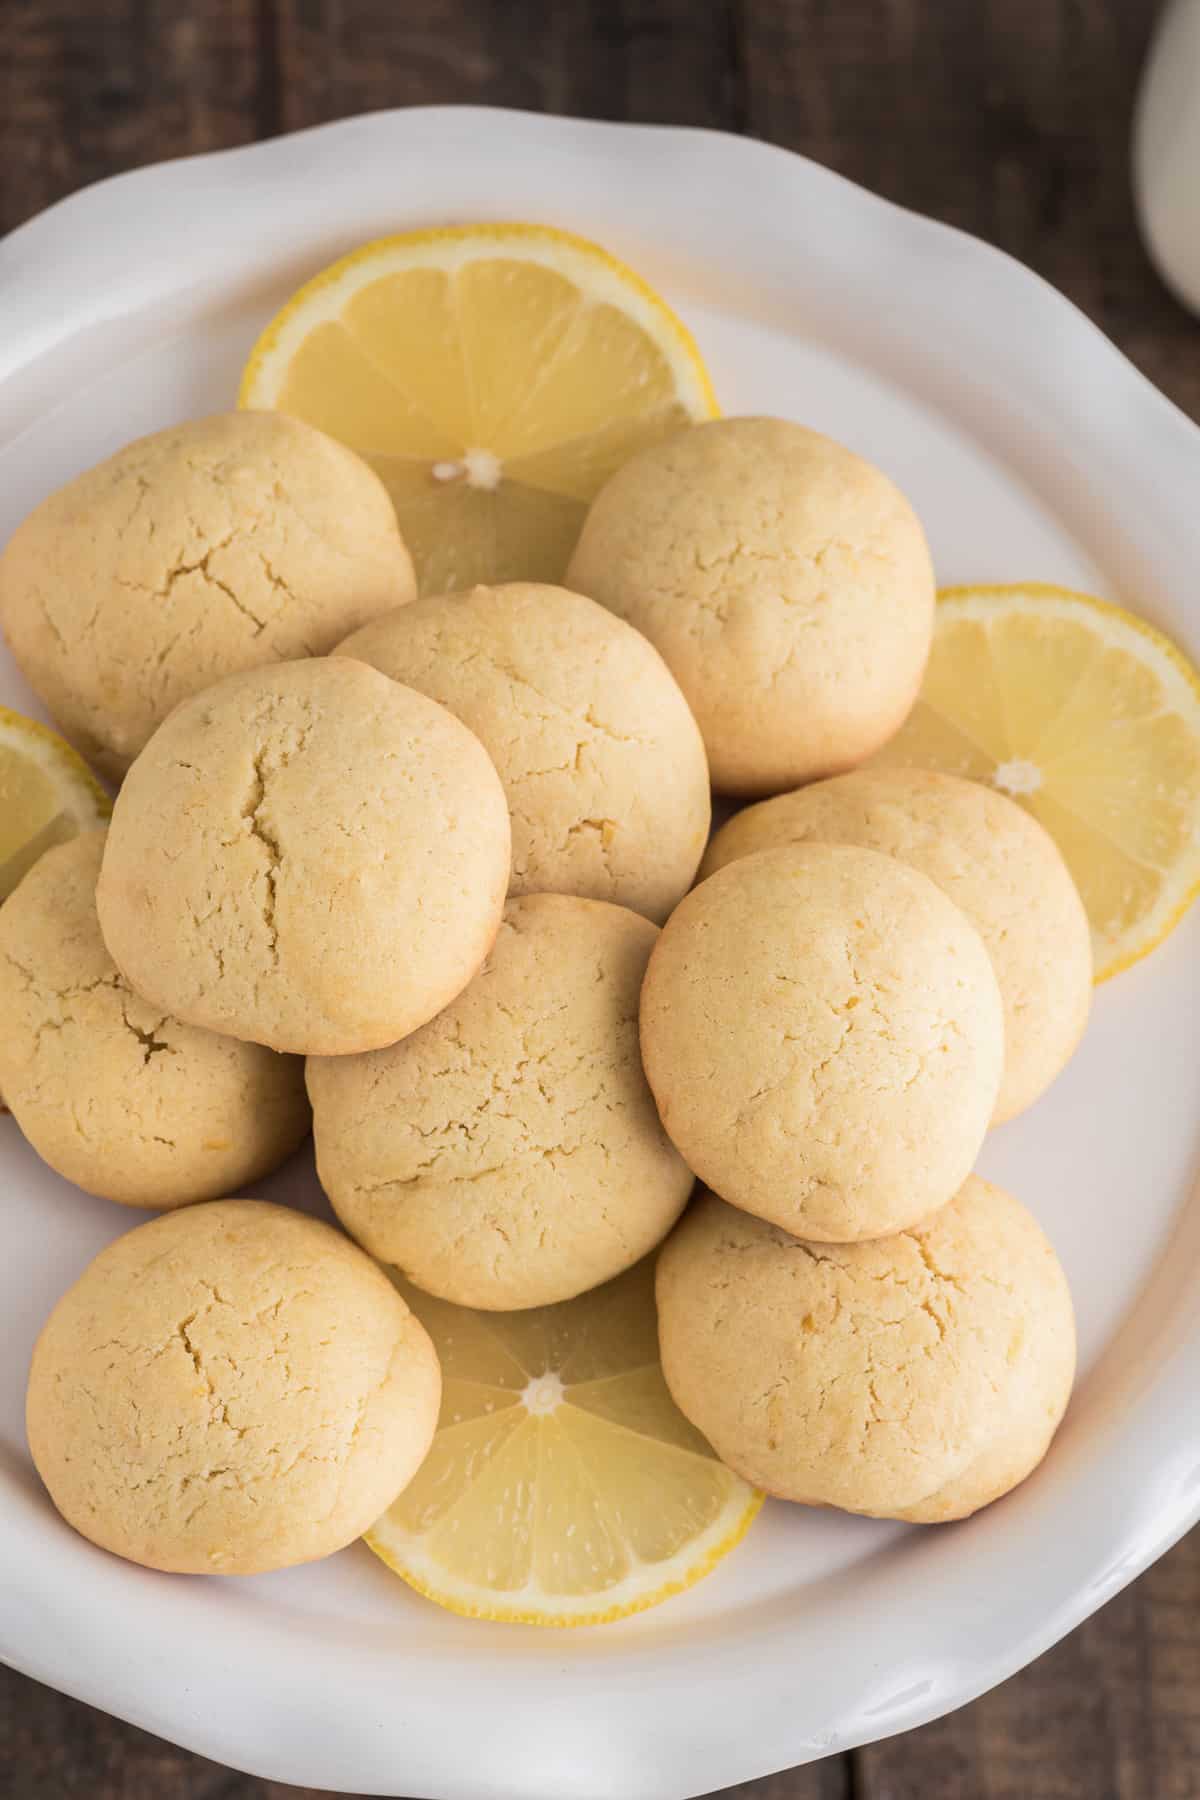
{"points": [[151, 1044], [252, 811]]}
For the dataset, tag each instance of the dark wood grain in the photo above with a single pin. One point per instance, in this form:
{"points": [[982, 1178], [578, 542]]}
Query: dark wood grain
{"points": [[96, 86], [668, 60], [1008, 118], [832, 1779]]}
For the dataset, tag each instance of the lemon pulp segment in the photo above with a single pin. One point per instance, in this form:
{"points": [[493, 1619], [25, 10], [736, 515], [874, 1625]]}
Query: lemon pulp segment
{"points": [[494, 376], [1090, 719], [564, 1487]]}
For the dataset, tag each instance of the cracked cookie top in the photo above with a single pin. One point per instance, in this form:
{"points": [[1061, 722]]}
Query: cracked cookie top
{"points": [[508, 1154], [787, 584], [823, 1032], [219, 544], [309, 856], [229, 1389], [913, 1377], [112, 1092], [600, 757]]}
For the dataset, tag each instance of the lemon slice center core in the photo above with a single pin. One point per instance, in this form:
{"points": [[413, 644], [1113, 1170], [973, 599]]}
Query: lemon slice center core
{"points": [[477, 468], [544, 1394], [1017, 776]]}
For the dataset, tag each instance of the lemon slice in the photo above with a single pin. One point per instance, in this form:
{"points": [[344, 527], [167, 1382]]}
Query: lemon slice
{"points": [[494, 376], [47, 795], [1091, 720], [564, 1487]]}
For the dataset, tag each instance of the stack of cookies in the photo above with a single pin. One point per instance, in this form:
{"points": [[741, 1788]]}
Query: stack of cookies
{"points": [[875, 967], [443, 850]]}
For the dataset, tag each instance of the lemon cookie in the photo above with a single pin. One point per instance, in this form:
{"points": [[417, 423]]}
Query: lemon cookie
{"points": [[994, 861], [119, 1098], [309, 856], [509, 1154], [912, 1377], [824, 1036], [230, 1389], [216, 545], [600, 757], [787, 584]]}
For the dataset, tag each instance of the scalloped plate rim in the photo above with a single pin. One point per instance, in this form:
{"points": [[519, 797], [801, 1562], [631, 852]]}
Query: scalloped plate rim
{"points": [[347, 1727]]}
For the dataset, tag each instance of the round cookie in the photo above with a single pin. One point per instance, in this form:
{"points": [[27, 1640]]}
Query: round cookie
{"points": [[309, 856], [230, 1389], [912, 1377], [600, 757], [509, 1154], [994, 861], [216, 545], [116, 1097], [787, 584], [824, 1036]]}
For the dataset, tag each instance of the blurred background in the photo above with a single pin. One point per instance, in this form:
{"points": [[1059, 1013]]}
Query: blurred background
{"points": [[1008, 118]]}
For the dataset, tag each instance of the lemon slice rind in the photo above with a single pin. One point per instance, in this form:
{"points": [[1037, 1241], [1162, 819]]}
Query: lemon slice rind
{"points": [[642, 1589], [595, 270], [563, 1487], [1114, 629], [493, 375]]}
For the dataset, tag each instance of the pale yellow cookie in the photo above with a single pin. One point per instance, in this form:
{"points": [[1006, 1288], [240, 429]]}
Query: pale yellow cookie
{"points": [[216, 545], [600, 757], [787, 584], [912, 1377], [309, 856], [509, 1154], [229, 1389], [118, 1097], [994, 861], [824, 1036]]}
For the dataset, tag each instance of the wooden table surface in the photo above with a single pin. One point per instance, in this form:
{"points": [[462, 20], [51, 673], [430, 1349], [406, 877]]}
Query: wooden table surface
{"points": [[1010, 120]]}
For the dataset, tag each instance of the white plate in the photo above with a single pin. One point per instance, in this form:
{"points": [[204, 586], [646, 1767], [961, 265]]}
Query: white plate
{"points": [[1032, 449]]}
